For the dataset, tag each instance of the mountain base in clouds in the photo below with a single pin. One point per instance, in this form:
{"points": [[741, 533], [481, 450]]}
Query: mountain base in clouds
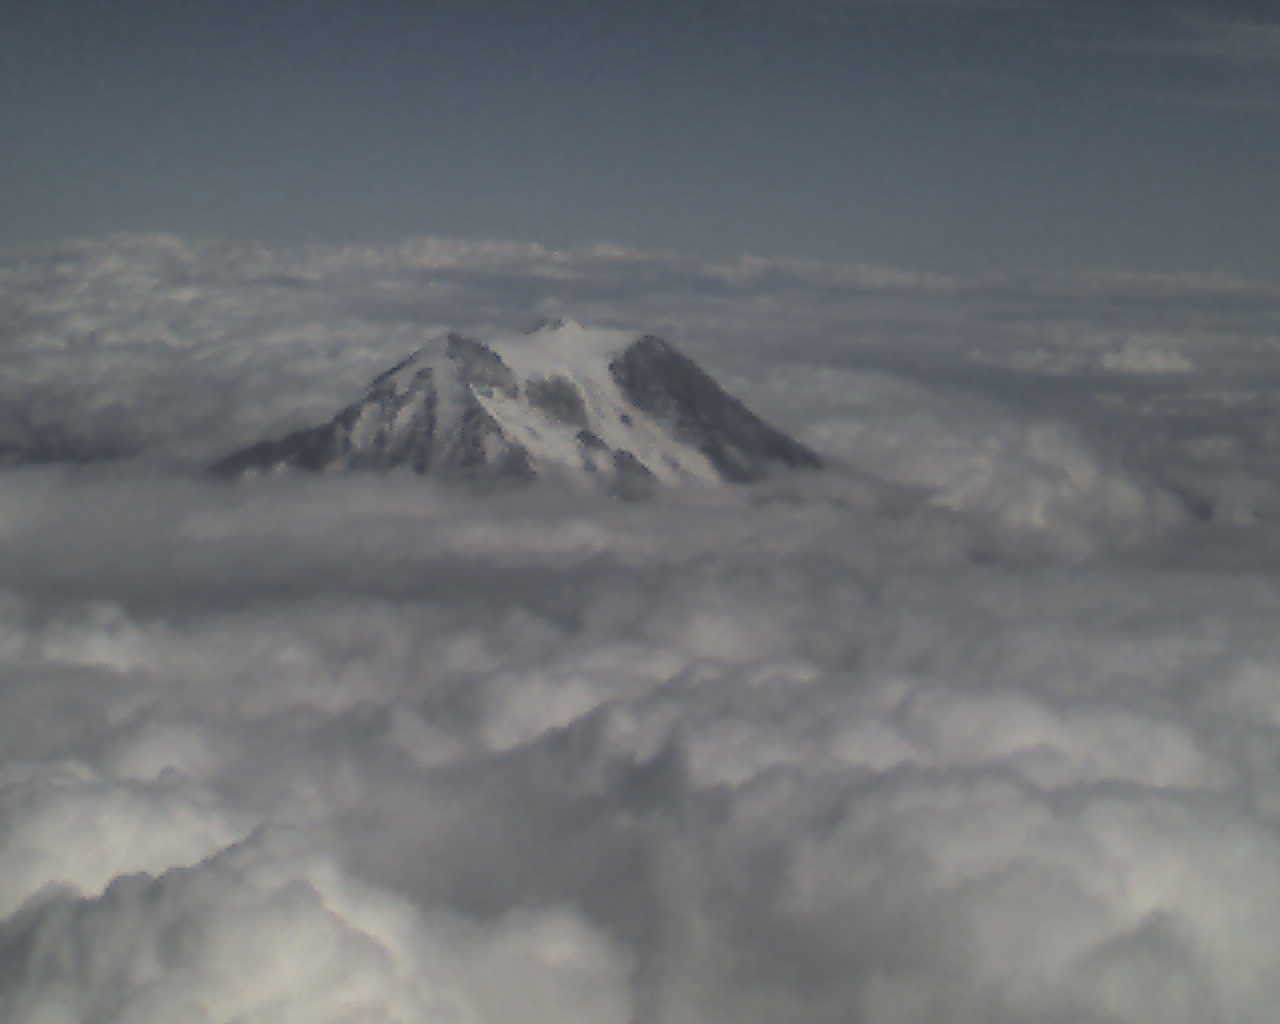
{"points": [[592, 404]]}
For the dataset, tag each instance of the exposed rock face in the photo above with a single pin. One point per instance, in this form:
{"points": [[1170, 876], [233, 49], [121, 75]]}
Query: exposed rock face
{"points": [[674, 390], [628, 413]]}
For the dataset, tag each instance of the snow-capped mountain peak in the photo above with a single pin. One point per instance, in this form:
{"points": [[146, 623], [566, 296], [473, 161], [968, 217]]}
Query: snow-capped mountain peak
{"points": [[563, 399]]}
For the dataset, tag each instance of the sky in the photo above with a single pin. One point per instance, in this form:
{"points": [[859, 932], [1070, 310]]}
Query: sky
{"points": [[940, 135]]}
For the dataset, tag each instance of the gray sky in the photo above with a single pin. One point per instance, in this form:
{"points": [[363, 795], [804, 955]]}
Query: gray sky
{"points": [[938, 135]]}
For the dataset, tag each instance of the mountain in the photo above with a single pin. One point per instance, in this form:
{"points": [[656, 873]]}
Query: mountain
{"points": [[628, 412]]}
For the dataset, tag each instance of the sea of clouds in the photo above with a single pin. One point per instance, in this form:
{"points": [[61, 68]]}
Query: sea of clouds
{"points": [[981, 726]]}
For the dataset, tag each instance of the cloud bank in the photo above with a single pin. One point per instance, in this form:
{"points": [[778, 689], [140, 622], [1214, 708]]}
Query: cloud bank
{"points": [[979, 727]]}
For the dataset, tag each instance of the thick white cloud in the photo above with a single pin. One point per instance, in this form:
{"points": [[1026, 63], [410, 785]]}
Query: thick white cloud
{"points": [[269, 930], [68, 825], [978, 727]]}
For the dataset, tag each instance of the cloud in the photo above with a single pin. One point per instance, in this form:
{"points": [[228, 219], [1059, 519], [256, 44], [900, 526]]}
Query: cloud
{"points": [[268, 929], [872, 770], [69, 826], [1246, 42], [980, 726], [1205, 57]]}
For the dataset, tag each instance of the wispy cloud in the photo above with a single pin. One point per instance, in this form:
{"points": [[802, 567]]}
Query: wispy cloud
{"points": [[1248, 42], [1207, 59]]}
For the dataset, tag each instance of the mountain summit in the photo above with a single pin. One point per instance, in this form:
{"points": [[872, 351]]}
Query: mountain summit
{"points": [[627, 411]]}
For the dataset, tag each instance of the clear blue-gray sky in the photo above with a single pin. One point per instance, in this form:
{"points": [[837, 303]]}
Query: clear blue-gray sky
{"points": [[949, 134]]}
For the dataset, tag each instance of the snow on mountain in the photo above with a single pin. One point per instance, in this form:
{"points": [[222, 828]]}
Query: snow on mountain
{"points": [[631, 412]]}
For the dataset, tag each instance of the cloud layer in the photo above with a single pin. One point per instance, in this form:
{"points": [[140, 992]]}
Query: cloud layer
{"points": [[980, 727]]}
